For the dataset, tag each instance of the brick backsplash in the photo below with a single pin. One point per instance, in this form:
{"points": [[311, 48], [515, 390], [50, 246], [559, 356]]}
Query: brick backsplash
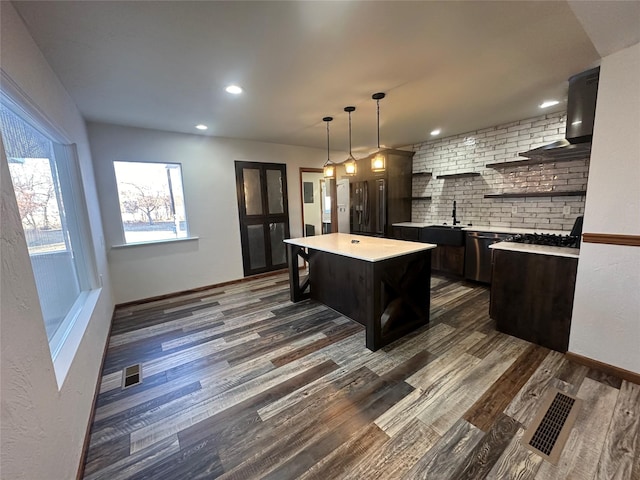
{"points": [[470, 152]]}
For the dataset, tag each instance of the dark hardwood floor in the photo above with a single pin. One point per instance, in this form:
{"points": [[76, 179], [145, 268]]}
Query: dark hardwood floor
{"points": [[239, 383]]}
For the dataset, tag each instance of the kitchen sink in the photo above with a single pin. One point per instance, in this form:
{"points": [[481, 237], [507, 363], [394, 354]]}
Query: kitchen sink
{"points": [[443, 235]]}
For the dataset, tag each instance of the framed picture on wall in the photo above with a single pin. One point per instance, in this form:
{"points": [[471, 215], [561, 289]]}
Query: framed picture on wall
{"points": [[307, 192]]}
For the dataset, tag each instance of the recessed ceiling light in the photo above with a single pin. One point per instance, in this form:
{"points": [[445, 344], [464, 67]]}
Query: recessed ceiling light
{"points": [[234, 89], [549, 103], [435, 132], [201, 127]]}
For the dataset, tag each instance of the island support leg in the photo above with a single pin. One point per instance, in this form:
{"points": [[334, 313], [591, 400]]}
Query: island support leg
{"points": [[297, 292]]}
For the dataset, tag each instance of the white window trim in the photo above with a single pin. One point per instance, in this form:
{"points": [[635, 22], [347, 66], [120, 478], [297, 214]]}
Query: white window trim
{"points": [[123, 237], [153, 242], [82, 311], [65, 352]]}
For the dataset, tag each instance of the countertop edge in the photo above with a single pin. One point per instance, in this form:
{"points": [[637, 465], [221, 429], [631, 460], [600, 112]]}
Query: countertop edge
{"points": [[537, 249], [486, 228], [334, 249]]}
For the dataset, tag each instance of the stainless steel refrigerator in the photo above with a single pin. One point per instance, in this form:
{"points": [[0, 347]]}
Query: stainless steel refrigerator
{"points": [[380, 199], [369, 208]]}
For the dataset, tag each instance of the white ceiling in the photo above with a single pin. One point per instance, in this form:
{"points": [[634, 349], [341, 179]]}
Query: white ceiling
{"points": [[457, 66]]}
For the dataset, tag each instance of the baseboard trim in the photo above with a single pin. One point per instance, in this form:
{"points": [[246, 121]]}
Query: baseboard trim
{"points": [[92, 414], [604, 367], [612, 239], [200, 289]]}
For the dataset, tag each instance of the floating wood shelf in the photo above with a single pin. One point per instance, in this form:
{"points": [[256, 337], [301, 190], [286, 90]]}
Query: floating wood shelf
{"points": [[420, 198], [530, 161], [422, 174], [576, 193], [460, 175]]}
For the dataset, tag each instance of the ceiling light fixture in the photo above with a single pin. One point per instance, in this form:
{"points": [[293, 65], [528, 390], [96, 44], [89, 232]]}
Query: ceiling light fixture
{"points": [[549, 103], [234, 89], [350, 164], [435, 132], [378, 161], [329, 168], [201, 127]]}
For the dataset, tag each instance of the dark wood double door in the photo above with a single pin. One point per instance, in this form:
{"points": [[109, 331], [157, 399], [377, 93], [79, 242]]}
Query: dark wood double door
{"points": [[264, 215]]}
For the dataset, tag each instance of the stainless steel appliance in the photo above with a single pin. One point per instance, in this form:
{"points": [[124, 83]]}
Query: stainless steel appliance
{"points": [[581, 110], [548, 239], [477, 257], [369, 207]]}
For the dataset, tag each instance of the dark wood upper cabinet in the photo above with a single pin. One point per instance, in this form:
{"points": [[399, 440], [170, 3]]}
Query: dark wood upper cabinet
{"points": [[380, 199]]}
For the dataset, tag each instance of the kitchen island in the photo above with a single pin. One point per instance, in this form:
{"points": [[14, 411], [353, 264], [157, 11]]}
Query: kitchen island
{"points": [[532, 292], [381, 283]]}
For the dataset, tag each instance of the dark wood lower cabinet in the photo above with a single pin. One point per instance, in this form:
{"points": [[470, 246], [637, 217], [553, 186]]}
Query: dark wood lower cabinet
{"points": [[411, 234], [532, 296], [448, 259]]}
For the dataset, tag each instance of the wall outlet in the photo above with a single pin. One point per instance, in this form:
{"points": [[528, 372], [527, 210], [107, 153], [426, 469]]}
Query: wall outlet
{"points": [[566, 210], [514, 209]]}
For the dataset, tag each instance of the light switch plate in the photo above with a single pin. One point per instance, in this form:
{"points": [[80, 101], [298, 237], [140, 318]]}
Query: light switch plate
{"points": [[514, 209], [566, 210]]}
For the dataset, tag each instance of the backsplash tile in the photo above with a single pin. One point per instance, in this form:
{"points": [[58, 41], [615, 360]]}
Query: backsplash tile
{"points": [[470, 152]]}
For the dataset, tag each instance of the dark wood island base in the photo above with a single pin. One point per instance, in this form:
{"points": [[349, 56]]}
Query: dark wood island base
{"points": [[390, 296]]}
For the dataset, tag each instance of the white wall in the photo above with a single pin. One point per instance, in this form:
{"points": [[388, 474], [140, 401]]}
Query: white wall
{"points": [[42, 427], [606, 313], [208, 171]]}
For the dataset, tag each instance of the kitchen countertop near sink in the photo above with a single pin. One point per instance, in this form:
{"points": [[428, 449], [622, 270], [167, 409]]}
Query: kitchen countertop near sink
{"points": [[486, 228], [537, 249]]}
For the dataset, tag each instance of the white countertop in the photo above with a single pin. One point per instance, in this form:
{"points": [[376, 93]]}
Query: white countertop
{"points": [[537, 249], [412, 224], [370, 249], [487, 228]]}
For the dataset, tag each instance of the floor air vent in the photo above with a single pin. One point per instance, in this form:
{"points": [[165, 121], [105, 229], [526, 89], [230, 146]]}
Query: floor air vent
{"points": [[550, 429], [131, 376]]}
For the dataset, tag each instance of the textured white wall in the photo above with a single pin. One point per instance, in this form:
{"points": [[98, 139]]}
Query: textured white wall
{"points": [[471, 151], [42, 427], [606, 313], [208, 172]]}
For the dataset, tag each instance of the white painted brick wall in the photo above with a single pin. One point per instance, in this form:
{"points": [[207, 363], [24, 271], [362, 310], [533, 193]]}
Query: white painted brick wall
{"points": [[470, 152]]}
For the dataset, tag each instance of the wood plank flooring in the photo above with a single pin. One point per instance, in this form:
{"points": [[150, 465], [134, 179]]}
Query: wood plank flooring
{"points": [[239, 383]]}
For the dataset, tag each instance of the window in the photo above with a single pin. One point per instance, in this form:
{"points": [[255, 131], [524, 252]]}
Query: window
{"points": [[48, 190], [151, 201]]}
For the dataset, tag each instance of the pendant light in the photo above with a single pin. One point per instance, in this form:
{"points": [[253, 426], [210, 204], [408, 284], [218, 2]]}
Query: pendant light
{"points": [[378, 161], [350, 164], [329, 168]]}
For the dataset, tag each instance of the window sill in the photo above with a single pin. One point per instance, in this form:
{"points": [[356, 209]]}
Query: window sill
{"points": [[64, 355], [154, 242]]}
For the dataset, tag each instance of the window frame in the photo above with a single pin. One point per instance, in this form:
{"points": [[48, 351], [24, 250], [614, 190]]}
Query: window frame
{"points": [[124, 243], [64, 344]]}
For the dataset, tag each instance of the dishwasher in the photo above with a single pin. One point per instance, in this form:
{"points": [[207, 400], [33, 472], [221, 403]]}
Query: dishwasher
{"points": [[477, 256]]}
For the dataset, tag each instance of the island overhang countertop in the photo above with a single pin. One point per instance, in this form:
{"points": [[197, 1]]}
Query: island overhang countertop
{"points": [[362, 247]]}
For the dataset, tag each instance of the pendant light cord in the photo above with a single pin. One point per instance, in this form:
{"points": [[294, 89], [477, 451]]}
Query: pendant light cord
{"points": [[350, 155], [378, 102], [328, 160]]}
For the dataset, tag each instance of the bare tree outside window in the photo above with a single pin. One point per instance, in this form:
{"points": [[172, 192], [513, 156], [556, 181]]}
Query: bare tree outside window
{"points": [[34, 186], [151, 201]]}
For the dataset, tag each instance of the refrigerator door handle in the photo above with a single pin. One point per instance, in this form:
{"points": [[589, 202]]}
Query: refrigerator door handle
{"points": [[365, 202], [382, 206]]}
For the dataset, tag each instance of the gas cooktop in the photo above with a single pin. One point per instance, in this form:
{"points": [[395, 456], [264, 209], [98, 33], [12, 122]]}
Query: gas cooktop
{"points": [[546, 239]]}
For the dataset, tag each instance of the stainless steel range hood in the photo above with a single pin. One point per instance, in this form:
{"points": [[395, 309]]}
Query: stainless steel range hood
{"points": [[581, 110]]}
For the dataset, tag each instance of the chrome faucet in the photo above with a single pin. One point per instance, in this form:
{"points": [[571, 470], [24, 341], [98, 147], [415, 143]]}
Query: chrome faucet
{"points": [[455, 222]]}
